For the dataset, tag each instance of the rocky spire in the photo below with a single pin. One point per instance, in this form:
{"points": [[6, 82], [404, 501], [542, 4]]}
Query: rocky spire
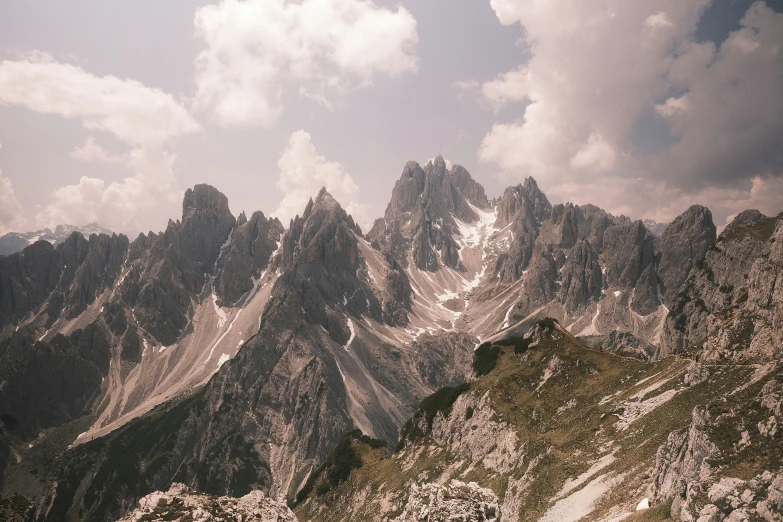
{"points": [[420, 218], [683, 243]]}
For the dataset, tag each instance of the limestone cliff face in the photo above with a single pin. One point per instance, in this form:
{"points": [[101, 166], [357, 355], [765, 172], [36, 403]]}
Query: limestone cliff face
{"points": [[728, 306], [581, 278], [51, 378], [524, 208], [160, 288], [420, 217], [253, 242], [684, 241]]}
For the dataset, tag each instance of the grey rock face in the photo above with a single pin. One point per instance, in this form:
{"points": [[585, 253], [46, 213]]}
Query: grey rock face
{"points": [[628, 250], [684, 242], [182, 503], [454, 501], [525, 208], [62, 280], [717, 310], [27, 279], [420, 217], [581, 278], [46, 384], [174, 268], [540, 281], [100, 268], [250, 251], [681, 461], [468, 187], [206, 223]]}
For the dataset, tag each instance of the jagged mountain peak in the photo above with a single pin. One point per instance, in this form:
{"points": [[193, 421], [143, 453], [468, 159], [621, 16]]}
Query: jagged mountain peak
{"points": [[205, 200], [421, 217]]}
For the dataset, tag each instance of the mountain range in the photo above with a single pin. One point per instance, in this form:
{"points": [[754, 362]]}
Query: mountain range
{"points": [[13, 242], [489, 359]]}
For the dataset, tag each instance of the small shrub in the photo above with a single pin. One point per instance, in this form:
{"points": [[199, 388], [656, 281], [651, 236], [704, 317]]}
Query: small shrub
{"points": [[469, 413], [547, 322], [485, 358], [338, 466]]}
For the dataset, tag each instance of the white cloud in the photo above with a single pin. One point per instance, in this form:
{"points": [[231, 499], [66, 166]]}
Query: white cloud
{"points": [[507, 87], [672, 106], [256, 47], [730, 123], [92, 152], [302, 174], [596, 154], [12, 217], [147, 120], [465, 85], [658, 20], [596, 68], [126, 205], [127, 109]]}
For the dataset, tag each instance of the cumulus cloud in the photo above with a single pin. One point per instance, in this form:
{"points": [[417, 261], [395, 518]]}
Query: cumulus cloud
{"points": [[256, 47], [145, 119], [12, 217], [92, 152], [302, 174], [507, 87], [139, 202], [730, 122], [131, 111], [597, 68]]}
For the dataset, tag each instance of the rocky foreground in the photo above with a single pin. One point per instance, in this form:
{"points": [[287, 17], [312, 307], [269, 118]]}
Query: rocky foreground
{"points": [[183, 504]]}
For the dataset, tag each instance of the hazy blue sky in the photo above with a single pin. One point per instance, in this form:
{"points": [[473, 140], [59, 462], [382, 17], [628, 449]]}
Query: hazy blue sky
{"points": [[109, 110]]}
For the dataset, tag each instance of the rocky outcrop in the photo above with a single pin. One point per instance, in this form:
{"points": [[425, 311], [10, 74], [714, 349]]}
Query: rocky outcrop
{"points": [[623, 343], [182, 503], [737, 500], [728, 307], [454, 501], [682, 244], [680, 464]]}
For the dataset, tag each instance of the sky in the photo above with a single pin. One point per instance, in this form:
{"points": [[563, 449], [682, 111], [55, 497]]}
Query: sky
{"points": [[109, 111]]}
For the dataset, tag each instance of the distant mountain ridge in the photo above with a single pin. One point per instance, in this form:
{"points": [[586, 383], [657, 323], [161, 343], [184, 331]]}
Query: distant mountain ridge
{"points": [[13, 242]]}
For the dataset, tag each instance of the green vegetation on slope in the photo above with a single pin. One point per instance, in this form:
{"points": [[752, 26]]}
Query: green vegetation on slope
{"points": [[337, 468]]}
